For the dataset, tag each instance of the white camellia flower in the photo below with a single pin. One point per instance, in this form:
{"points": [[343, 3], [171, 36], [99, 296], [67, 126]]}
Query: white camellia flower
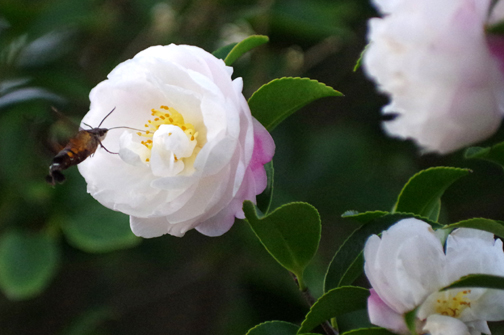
{"points": [[407, 267], [443, 73], [200, 154]]}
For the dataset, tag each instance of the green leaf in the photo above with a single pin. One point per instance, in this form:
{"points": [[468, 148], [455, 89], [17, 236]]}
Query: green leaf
{"points": [[264, 199], [275, 101], [478, 280], [423, 191], [495, 28], [222, 52], [494, 154], [337, 301], [410, 319], [244, 46], [363, 217], [492, 226], [359, 61], [346, 264], [368, 331], [274, 328], [291, 234], [435, 210], [100, 230], [27, 263]]}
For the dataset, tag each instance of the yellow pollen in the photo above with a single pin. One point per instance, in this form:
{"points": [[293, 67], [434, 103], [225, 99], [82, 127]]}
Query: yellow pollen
{"points": [[161, 118], [453, 305]]}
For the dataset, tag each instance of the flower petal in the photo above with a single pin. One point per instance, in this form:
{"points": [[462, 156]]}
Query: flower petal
{"points": [[433, 59], [406, 265], [380, 314], [444, 325]]}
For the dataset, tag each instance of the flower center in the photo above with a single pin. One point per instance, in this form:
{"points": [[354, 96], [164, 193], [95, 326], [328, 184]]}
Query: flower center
{"points": [[166, 116], [453, 306]]}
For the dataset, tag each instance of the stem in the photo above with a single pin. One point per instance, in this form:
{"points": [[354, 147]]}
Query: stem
{"points": [[326, 325]]}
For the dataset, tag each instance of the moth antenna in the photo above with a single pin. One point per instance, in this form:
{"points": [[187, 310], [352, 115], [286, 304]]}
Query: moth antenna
{"points": [[55, 110], [106, 116], [87, 125], [107, 150], [127, 128]]}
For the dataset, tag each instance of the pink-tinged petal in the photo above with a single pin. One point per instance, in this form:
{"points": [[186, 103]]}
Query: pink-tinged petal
{"points": [[432, 58], [264, 149], [444, 325], [380, 314], [199, 164], [406, 264]]}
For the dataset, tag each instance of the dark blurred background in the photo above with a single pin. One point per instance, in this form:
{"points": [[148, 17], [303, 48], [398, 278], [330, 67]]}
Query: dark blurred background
{"points": [[92, 276]]}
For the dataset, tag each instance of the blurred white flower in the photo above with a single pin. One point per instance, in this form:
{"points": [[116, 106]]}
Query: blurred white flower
{"points": [[407, 267], [203, 153], [442, 72]]}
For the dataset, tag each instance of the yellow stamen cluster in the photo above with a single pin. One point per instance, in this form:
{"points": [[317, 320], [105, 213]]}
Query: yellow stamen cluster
{"points": [[166, 115], [453, 306]]}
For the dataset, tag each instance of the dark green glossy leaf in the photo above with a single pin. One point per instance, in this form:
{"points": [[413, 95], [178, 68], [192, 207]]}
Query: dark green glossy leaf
{"points": [[368, 331], [275, 101], [264, 199], [100, 230], [492, 226], [494, 154], [496, 29], [335, 302], [274, 328], [478, 280], [28, 261], [291, 234], [423, 191], [435, 211], [364, 217], [244, 46], [359, 61], [222, 52], [346, 264]]}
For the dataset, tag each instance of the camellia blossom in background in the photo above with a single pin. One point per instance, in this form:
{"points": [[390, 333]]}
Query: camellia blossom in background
{"points": [[443, 73], [407, 267], [201, 153]]}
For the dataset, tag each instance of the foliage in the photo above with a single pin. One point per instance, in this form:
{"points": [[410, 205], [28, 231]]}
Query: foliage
{"points": [[63, 254]]}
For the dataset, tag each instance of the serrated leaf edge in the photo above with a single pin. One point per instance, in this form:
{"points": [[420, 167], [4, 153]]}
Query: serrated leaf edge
{"points": [[276, 121], [271, 213], [237, 45], [267, 322], [426, 171]]}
